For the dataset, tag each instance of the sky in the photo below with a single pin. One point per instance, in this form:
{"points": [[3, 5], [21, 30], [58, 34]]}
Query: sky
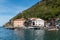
{"points": [[10, 8]]}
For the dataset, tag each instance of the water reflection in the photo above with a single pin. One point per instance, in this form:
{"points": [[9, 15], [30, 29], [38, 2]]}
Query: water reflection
{"points": [[51, 35], [19, 34], [39, 35], [28, 34], [36, 35]]}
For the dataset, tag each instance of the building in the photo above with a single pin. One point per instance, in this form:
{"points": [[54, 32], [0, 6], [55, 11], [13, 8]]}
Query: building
{"points": [[19, 22], [37, 22], [57, 22], [53, 23], [27, 23]]}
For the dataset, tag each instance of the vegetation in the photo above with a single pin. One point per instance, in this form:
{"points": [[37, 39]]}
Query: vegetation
{"points": [[44, 9]]}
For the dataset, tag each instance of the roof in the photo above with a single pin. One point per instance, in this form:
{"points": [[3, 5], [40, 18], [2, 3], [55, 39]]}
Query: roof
{"points": [[21, 19], [35, 19]]}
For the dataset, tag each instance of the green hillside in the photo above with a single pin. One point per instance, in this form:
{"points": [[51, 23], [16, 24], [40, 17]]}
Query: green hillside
{"points": [[44, 9]]}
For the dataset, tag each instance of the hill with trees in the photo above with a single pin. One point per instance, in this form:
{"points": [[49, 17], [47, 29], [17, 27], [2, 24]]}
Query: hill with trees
{"points": [[44, 9]]}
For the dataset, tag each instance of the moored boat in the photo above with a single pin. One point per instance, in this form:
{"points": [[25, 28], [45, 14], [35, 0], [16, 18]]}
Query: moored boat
{"points": [[53, 29]]}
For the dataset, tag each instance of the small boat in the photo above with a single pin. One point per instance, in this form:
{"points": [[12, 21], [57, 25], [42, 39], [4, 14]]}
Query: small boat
{"points": [[33, 28], [10, 28], [53, 29], [29, 28]]}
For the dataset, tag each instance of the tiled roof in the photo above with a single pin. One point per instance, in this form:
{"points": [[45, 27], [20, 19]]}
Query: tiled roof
{"points": [[22, 19], [34, 18]]}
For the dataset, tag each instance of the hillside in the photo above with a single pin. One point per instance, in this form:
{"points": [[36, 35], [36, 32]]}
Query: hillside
{"points": [[44, 9]]}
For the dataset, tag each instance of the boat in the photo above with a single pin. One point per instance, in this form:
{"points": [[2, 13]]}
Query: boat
{"points": [[53, 29], [10, 28]]}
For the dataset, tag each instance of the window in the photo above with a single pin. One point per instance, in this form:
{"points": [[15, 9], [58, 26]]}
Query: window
{"points": [[33, 23]]}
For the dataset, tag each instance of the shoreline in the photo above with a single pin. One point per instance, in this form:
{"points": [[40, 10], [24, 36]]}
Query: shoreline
{"points": [[48, 29]]}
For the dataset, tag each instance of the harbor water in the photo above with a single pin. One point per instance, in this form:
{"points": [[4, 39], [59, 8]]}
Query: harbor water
{"points": [[28, 34]]}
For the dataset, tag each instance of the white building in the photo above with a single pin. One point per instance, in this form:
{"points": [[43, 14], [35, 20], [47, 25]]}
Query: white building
{"points": [[37, 22]]}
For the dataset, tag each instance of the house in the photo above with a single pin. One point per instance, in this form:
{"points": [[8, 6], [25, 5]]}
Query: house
{"points": [[53, 23], [37, 22], [19, 22], [57, 22], [27, 23]]}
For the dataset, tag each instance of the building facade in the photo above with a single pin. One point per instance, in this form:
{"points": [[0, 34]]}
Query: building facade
{"points": [[19, 22], [37, 22]]}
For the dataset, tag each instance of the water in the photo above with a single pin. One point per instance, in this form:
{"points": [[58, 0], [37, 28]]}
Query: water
{"points": [[6, 34]]}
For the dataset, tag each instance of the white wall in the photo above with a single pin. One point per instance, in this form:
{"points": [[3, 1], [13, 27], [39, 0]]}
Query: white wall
{"points": [[39, 22]]}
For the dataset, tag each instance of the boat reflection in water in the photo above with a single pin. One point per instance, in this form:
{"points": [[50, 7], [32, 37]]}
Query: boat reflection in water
{"points": [[39, 35], [29, 34]]}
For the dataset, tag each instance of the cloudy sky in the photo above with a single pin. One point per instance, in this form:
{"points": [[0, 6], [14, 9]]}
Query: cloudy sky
{"points": [[10, 8]]}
